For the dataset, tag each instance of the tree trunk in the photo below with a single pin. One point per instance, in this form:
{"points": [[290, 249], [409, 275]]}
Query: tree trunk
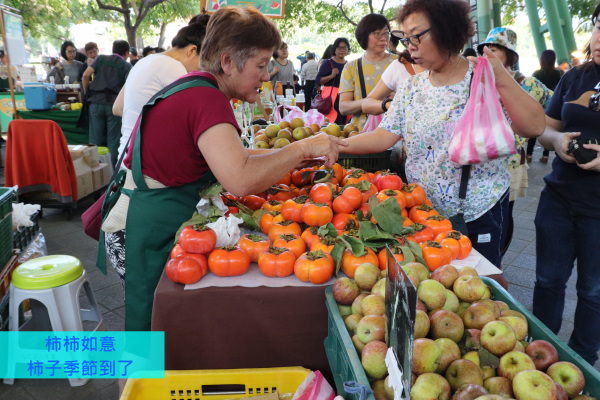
{"points": [[161, 38], [131, 33]]}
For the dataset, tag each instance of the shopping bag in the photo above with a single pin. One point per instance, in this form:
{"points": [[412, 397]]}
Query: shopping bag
{"points": [[482, 133], [322, 103], [309, 117], [372, 123], [332, 92], [314, 387], [92, 218]]}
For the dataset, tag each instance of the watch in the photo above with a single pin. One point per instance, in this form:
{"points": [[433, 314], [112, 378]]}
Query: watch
{"points": [[384, 102]]}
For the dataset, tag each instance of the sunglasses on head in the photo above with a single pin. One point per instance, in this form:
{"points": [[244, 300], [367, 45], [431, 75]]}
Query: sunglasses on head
{"points": [[595, 99]]}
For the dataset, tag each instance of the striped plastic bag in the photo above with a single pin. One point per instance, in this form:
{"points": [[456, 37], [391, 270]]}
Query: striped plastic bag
{"points": [[482, 133]]}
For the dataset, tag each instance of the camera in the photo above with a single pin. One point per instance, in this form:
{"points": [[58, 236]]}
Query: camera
{"points": [[581, 154]]}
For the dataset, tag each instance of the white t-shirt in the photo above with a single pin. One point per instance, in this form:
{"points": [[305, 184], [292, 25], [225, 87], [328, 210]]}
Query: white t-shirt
{"points": [[394, 75], [148, 76]]}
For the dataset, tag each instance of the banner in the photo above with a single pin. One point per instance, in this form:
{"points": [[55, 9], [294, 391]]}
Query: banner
{"points": [[270, 8]]}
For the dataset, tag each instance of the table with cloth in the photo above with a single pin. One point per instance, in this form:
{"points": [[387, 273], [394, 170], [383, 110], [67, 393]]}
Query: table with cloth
{"points": [[250, 321], [67, 120]]}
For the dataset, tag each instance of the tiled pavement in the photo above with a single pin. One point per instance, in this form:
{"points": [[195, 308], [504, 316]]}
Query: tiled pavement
{"points": [[67, 237]]}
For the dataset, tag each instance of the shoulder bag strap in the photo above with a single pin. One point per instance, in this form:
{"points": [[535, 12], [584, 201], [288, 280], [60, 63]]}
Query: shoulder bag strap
{"points": [[363, 88], [466, 170]]}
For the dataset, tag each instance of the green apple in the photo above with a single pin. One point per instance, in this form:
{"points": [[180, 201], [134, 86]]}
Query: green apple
{"points": [[487, 371], [568, 375], [272, 130], [426, 356], [300, 133], [412, 275], [512, 313], [378, 388], [519, 347], [450, 353], [467, 271], [462, 306], [261, 145], [473, 356], [421, 270], [285, 134], [430, 386], [333, 130], [531, 384], [389, 390], [379, 288], [366, 275], [345, 290], [502, 305], [296, 123], [446, 275], [499, 385], [478, 314], [469, 391], [519, 325], [358, 345], [452, 302], [514, 362], [469, 288], [370, 328], [446, 324], [498, 338], [494, 305], [280, 143], [473, 341], [432, 293], [373, 305], [351, 323], [357, 303], [462, 372], [344, 310], [421, 324], [373, 359]]}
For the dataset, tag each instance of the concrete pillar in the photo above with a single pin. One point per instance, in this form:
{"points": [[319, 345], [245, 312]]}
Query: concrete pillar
{"points": [[534, 23], [484, 18], [497, 13], [556, 31], [567, 27]]}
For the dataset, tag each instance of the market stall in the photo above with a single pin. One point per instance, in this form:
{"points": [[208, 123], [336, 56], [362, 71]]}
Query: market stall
{"points": [[67, 120]]}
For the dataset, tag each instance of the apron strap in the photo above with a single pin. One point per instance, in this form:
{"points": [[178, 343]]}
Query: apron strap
{"points": [[177, 86]]}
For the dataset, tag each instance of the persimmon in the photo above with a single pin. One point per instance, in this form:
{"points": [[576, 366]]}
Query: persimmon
{"points": [[279, 192], [414, 194], [292, 208], [198, 239], [228, 261], [383, 257], [422, 233], [291, 242], [348, 200], [387, 180], [315, 266], [309, 236], [420, 213], [253, 245], [345, 222], [272, 205], [284, 228], [387, 193], [316, 214], [435, 255], [460, 245], [268, 219], [276, 262], [350, 262], [438, 224], [322, 193]]}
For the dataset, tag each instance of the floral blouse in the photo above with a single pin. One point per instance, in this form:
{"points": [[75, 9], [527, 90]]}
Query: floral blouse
{"points": [[425, 117]]}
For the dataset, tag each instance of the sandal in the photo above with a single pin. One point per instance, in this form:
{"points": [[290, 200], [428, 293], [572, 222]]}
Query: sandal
{"points": [[544, 159], [529, 158]]}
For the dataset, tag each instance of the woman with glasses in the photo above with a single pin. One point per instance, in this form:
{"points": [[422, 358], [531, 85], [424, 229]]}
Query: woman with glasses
{"points": [[329, 74], [426, 109], [281, 68], [68, 67], [372, 34], [567, 222]]}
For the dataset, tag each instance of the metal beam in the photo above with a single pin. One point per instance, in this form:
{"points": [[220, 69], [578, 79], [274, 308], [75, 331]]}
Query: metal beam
{"points": [[567, 25], [534, 23], [556, 31]]}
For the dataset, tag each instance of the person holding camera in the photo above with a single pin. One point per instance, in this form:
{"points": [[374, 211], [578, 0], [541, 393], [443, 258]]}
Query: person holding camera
{"points": [[568, 216]]}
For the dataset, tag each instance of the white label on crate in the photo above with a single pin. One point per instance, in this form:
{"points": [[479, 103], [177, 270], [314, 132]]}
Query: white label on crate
{"points": [[485, 238], [395, 375]]}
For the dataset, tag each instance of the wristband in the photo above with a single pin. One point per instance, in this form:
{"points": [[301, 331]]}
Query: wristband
{"points": [[384, 102]]}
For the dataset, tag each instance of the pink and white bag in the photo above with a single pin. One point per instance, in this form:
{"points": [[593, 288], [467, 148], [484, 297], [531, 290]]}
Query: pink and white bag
{"points": [[310, 117], [482, 133], [372, 123]]}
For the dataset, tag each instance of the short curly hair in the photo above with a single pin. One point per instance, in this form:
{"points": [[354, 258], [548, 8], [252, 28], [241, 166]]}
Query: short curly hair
{"points": [[368, 24], [451, 24]]}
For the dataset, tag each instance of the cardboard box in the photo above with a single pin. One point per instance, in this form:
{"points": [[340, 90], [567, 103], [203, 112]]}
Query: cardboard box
{"points": [[83, 172], [89, 152], [100, 175]]}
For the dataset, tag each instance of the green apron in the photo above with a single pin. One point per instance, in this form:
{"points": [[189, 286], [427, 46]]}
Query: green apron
{"points": [[153, 218]]}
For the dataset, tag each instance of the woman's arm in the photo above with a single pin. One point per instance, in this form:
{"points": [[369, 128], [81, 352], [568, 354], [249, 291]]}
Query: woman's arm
{"points": [[348, 105], [372, 104], [118, 104], [370, 142], [245, 172], [555, 139]]}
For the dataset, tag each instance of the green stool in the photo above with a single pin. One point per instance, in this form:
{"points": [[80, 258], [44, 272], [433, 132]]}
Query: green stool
{"points": [[52, 284]]}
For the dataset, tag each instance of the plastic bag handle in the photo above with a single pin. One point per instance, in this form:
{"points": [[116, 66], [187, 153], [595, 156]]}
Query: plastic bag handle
{"points": [[353, 387]]}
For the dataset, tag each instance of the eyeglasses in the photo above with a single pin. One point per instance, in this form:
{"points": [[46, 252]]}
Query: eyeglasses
{"points": [[595, 99], [415, 40], [343, 48], [71, 51], [381, 35]]}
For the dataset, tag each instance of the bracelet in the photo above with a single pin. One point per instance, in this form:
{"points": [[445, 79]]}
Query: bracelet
{"points": [[384, 102]]}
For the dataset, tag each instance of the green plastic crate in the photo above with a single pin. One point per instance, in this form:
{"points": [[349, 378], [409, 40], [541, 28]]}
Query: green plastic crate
{"points": [[23, 237], [341, 354], [369, 162], [6, 239], [6, 198], [537, 330]]}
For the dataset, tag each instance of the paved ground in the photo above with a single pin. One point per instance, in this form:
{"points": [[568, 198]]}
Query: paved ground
{"points": [[67, 237]]}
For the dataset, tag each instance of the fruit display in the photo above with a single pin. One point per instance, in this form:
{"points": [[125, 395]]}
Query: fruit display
{"points": [[466, 345], [281, 134]]}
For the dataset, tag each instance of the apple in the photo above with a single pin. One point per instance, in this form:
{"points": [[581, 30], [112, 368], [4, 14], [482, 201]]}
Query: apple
{"points": [[561, 392], [373, 359], [299, 133], [452, 302], [519, 347], [378, 388], [473, 341], [432, 293], [519, 325], [389, 390], [284, 124], [421, 306], [478, 314], [487, 294], [272, 130], [373, 305], [568, 375], [413, 276], [285, 134], [543, 354], [445, 275], [446, 324], [345, 291], [487, 371], [262, 145], [379, 288], [491, 397], [467, 271], [366, 275], [470, 391], [351, 323], [512, 313], [421, 270], [532, 384], [469, 288], [583, 397], [502, 305], [514, 362], [499, 385], [462, 372], [344, 310], [496, 307], [498, 338], [473, 356], [430, 386], [450, 353], [462, 306], [358, 345], [426, 356], [333, 130], [357, 303], [349, 128], [371, 327], [421, 324]]}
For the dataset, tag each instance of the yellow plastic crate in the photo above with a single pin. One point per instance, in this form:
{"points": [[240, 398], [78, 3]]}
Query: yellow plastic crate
{"points": [[218, 384]]}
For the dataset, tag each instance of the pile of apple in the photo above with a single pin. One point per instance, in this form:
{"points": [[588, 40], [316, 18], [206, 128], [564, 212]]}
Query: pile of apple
{"points": [[467, 346], [281, 134]]}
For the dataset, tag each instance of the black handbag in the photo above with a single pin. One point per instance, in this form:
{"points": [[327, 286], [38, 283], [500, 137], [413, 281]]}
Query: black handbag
{"points": [[458, 220]]}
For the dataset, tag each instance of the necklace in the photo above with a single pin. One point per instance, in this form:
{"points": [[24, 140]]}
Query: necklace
{"points": [[451, 75]]}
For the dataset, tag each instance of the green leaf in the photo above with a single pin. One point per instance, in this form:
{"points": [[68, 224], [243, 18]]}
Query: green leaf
{"points": [[373, 202], [369, 232], [354, 245], [214, 213], [388, 215], [327, 230], [196, 219], [336, 253], [213, 190], [363, 186], [487, 358], [249, 222], [417, 251], [409, 256]]}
